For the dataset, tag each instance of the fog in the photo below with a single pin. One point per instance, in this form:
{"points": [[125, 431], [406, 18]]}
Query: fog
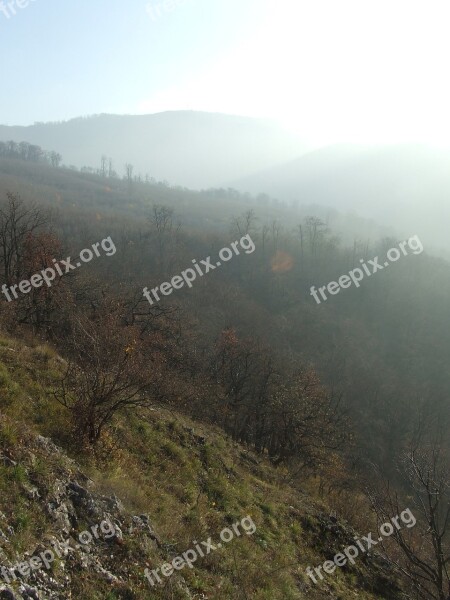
{"points": [[224, 300]]}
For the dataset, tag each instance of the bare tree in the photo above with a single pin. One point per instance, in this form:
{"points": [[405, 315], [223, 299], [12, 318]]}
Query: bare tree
{"points": [[315, 230], [291, 416], [129, 172], [43, 308], [276, 229], [103, 163], [244, 224], [35, 153], [55, 159], [301, 237], [308, 422], [106, 372], [18, 221], [24, 149], [163, 224], [423, 555], [264, 238]]}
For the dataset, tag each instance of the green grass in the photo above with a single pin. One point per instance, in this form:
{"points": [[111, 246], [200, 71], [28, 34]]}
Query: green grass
{"points": [[191, 491]]}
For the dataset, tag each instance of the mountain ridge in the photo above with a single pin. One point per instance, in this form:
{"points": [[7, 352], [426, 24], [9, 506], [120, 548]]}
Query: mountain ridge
{"points": [[189, 148]]}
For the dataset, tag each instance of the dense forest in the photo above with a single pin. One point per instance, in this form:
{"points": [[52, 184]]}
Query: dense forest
{"points": [[349, 395], [224, 300]]}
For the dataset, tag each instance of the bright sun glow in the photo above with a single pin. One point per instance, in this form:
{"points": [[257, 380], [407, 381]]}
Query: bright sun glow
{"points": [[353, 70]]}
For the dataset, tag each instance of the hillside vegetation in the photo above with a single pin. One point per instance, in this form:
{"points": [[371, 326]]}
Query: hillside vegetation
{"points": [[235, 395], [189, 479]]}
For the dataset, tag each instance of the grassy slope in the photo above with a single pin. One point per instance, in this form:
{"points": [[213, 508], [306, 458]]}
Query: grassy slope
{"points": [[192, 481]]}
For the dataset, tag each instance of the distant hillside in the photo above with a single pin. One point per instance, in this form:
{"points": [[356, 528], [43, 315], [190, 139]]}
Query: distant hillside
{"points": [[212, 209], [405, 186], [192, 149]]}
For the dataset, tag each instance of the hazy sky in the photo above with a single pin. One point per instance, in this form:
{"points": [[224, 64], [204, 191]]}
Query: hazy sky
{"points": [[332, 70]]}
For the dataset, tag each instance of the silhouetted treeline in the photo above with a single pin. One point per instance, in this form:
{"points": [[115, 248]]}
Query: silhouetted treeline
{"points": [[29, 152]]}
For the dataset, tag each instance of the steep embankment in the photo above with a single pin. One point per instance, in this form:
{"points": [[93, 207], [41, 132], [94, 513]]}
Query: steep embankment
{"points": [[158, 483]]}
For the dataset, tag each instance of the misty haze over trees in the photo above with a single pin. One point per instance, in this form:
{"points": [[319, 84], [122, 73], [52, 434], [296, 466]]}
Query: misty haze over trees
{"points": [[161, 375], [395, 186]]}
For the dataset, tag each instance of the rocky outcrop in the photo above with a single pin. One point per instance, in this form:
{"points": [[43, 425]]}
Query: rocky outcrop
{"points": [[88, 530]]}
